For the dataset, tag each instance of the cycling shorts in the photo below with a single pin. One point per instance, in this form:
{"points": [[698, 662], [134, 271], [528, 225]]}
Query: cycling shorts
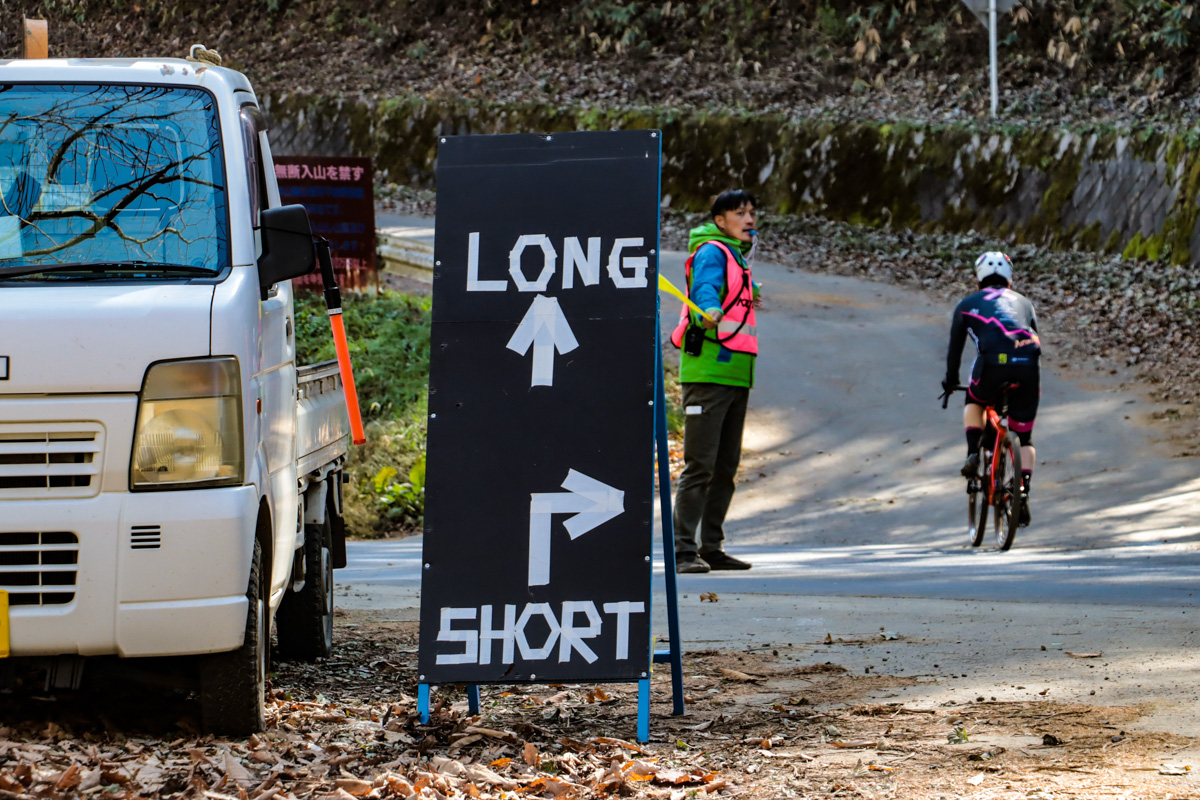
{"points": [[985, 390]]}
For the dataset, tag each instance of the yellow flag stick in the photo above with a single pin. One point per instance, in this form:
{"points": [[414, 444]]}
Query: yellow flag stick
{"points": [[666, 286]]}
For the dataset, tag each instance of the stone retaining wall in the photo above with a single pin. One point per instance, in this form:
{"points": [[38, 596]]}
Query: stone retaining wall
{"points": [[1135, 192]]}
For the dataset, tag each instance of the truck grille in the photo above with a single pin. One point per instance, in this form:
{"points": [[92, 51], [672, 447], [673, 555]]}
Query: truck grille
{"points": [[39, 568], [50, 460]]}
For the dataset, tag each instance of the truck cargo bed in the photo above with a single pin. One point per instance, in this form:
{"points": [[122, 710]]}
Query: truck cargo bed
{"points": [[322, 426]]}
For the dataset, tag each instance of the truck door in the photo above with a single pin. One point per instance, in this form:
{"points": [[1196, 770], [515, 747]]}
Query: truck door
{"points": [[277, 367]]}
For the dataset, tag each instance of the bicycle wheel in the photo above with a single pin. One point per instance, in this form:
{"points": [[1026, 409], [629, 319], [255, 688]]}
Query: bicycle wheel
{"points": [[977, 502], [1007, 497]]}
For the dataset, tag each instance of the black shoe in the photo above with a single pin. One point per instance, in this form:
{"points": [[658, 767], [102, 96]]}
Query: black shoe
{"points": [[722, 560], [690, 562], [971, 468], [1023, 519]]}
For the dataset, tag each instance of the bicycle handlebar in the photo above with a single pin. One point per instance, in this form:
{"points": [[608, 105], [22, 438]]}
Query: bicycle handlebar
{"points": [[945, 396]]}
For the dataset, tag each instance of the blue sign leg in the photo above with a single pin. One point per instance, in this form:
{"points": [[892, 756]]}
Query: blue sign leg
{"points": [[675, 654], [423, 702], [473, 699], [643, 732]]}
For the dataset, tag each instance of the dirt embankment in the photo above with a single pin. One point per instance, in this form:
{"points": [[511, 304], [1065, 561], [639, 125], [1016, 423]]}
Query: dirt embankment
{"points": [[1062, 61]]}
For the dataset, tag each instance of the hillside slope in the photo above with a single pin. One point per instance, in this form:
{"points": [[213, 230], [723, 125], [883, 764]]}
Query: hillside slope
{"points": [[1061, 59]]}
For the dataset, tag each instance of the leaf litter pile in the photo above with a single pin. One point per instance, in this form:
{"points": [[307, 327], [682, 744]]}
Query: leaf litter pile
{"points": [[759, 725]]}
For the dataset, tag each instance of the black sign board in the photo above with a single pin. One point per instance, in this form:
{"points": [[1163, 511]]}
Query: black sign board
{"points": [[539, 485], [339, 194]]}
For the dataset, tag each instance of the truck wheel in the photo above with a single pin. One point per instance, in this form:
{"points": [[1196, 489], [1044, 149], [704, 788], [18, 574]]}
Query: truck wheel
{"points": [[233, 684], [304, 620]]}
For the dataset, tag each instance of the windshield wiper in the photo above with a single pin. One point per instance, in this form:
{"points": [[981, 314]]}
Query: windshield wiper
{"points": [[100, 269]]}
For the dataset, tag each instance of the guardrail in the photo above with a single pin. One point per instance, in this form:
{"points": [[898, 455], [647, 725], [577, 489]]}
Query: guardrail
{"points": [[406, 251]]}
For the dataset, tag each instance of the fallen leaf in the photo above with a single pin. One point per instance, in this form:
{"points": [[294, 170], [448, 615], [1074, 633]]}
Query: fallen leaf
{"points": [[617, 742], [400, 785], [337, 794], [677, 777], [504, 736], [853, 745], [481, 774], [69, 779], [531, 755], [878, 768], [237, 773], [1083, 655], [735, 675], [709, 596], [463, 742], [354, 786]]}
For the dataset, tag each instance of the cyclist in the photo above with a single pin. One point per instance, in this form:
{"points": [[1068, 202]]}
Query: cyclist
{"points": [[1004, 327]]}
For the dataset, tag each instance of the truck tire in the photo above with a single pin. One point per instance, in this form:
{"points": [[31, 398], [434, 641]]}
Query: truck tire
{"points": [[233, 684], [304, 621]]}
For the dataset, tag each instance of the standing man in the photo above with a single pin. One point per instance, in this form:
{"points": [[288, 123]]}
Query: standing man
{"points": [[717, 371]]}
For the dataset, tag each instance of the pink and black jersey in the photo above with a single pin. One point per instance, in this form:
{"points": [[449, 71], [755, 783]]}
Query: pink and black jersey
{"points": [[1002, 323]]}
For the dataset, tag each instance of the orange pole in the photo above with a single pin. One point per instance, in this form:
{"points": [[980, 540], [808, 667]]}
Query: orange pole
{"points": [[333, 302], [347, 369]]}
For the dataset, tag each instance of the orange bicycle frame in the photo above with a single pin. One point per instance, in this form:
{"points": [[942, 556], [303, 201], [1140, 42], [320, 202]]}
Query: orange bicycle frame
{"points": [[992, 419]]}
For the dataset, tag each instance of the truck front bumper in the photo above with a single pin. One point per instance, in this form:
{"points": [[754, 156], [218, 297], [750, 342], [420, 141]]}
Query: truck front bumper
{"points": [[154, 573]]}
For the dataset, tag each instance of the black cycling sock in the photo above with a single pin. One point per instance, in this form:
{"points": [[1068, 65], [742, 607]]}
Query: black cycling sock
{"points": [[974, 437], [1026, 477]]}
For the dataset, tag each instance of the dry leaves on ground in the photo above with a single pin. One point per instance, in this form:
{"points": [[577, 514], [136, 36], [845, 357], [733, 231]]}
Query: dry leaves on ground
{"points": [[347, 727]]}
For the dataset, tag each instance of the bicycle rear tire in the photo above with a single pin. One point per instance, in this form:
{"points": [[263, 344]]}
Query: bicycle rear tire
{"points": [[1007, 496], [977, 503]]}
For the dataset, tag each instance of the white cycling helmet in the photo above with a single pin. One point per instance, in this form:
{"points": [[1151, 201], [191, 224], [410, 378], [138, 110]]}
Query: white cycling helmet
{"points": [[993, 263]]}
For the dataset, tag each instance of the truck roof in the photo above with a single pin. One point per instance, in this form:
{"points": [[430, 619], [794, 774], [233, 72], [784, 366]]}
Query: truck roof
{"points": [[159, 71]]}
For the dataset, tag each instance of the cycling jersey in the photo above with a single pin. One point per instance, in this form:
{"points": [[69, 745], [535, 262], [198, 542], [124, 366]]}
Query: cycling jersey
{"points": [[1002, 323]]}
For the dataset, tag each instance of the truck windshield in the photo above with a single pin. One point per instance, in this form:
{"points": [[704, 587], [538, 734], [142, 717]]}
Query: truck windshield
{"points": [[94, 179]]}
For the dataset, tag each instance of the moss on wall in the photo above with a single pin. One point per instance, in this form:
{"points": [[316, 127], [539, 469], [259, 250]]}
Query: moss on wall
{"points": [[1096, 188]]}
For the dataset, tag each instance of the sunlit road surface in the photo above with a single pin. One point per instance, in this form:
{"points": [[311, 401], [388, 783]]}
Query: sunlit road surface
{"points": [[850, 469]]}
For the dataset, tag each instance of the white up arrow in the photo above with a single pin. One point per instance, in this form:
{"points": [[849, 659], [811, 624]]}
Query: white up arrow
{"points": [[592, 502], [544, 328]]}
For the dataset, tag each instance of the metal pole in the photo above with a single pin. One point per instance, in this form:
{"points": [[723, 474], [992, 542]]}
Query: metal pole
{"points": [[992, 53], [674, 654]]}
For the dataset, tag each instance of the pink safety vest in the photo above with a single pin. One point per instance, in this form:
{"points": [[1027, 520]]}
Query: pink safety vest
{"points": [[736, 330]]}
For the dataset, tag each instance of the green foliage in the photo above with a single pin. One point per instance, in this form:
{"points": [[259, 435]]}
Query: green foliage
{"points": [[674, 399], [388, 336], [401, 502]]}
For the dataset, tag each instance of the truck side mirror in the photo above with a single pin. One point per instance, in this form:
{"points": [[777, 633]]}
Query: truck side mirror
{"points": [[287, 246]]}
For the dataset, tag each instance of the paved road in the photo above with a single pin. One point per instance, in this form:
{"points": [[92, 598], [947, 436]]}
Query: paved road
{"points": [[854, 517], [851, 483]]}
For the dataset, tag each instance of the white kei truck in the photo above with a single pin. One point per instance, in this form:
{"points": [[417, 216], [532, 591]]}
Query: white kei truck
{"points": [[170, 479]]}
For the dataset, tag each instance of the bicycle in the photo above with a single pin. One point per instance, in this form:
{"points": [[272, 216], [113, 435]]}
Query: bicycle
{"points": [[1000, 480]]}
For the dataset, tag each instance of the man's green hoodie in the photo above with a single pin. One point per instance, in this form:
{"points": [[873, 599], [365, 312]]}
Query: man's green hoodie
{"points": [[716, 364]]}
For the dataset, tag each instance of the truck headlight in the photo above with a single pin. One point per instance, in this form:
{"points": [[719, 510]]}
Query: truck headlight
{"points": [[189, 426]]}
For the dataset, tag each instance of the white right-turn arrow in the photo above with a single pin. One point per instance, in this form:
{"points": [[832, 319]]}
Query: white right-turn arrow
{"points": [[546, 329], [593, 503]]}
